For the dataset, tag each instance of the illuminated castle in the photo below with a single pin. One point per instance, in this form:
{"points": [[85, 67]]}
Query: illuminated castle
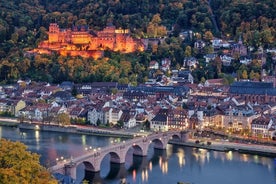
{"points": [[80, 41]]}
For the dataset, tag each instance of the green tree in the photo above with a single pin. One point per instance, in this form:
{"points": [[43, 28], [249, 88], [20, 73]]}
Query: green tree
{"points": [[218, 64], [98, 123], [17, 165], [202, 80], [63, 119], [120, 124], [208, 36], [188, 51], [244, 74]]}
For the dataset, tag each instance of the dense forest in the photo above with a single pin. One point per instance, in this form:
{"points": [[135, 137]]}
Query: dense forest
{"points": [[24, 23]]}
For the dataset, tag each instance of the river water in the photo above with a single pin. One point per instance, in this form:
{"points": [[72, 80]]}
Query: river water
{"points": [[176, 164]]}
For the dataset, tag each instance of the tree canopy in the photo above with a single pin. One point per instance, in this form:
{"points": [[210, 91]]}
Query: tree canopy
{"points": [[24, 24], [17, 165]]}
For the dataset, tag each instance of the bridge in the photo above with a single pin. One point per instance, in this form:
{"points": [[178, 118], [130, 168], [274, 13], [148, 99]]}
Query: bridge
{"points": [[118, 151]]}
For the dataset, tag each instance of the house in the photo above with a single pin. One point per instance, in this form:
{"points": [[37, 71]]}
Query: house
{"points": [[245, 60], [210, 57], [62, 96], [272, 50], [263, 127], [94, 116], [184, 76], [41, 111], [106, 115], [128, 119], [186, 34], [213, 82], [226, 60], [237, 118], [12, 106], [199, 44], [16, 106], [75, 112], [161, 121], [154, 65], [67, 85], [114, 115], [54, 111], [216, 43], [190, 62], [178, 119], [134, 95], [48, 90], [239, 48], [219, 43], [165, 64]]}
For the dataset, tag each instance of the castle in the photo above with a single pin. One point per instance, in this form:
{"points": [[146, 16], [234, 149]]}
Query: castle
{"points": [[80, 41]]}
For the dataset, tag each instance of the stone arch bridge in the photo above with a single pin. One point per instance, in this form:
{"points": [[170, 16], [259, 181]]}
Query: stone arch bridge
{"points": [[118, 151]]}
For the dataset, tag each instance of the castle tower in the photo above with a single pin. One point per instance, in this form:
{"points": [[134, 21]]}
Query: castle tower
{"points": [[53, 33]]}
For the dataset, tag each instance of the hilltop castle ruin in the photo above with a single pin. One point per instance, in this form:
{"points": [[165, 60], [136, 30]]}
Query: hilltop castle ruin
{"points": [[80, 41]]}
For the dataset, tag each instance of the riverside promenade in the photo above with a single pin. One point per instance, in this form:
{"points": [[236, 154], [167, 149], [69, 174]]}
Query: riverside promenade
{"points": [[226, 146], [78, 129]]}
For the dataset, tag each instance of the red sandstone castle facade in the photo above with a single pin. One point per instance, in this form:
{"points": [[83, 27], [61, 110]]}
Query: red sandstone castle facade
{"points": [[80, 41]]}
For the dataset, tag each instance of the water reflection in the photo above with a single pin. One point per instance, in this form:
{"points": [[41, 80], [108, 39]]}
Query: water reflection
{"points": [[181, 157], [141, 169], [229, 155], [162, 167], [83, 140], [201, 155]]}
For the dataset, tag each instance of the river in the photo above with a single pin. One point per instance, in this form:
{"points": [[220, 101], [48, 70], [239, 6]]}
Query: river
{"points": [[176, 164]]}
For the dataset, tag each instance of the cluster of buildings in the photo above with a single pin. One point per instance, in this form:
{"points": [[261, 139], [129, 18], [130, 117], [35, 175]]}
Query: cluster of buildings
{"points": [[244, 107], [85, 42], [165, 102]]}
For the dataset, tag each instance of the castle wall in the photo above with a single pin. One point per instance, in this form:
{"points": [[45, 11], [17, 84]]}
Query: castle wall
{"points": [[79, 42]]}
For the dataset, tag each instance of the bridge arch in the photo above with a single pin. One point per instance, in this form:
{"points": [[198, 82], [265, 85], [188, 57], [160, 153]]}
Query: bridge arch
{"points": [[138, 149], [88, 166], [139, 146], [176, 137], [115, 157], [158, 143]]}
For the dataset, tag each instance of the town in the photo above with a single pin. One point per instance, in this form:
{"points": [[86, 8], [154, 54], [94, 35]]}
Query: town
{"points": [[169, 100], [245, 108]]}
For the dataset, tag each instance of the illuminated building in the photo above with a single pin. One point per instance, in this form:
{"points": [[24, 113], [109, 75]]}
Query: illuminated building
{"points": [[81, 41]]}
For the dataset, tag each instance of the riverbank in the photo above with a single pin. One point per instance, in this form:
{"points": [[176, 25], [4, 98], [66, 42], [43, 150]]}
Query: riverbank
{"points": [[224, 146], [13, 122], [10, 124], [74, 129]]}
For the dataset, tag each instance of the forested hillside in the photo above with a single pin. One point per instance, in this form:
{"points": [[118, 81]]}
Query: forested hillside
{"points": [[23, 24]]}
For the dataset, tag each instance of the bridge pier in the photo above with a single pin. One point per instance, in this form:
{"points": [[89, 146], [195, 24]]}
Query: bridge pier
{"points": [[93, 177], [70, 169], [117, 171], [184, 136]]}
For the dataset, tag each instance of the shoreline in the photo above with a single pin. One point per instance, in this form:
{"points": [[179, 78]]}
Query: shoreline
{"points": [[10, 122], [253, 149], [221, 146], [74, 130]]}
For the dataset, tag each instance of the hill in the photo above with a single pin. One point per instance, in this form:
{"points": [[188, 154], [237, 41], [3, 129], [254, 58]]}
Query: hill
{"points": [[24, 24]]}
